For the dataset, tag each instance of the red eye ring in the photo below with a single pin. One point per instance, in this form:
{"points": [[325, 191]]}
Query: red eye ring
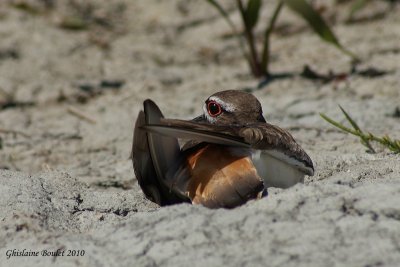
{"points": [[213, 108]]}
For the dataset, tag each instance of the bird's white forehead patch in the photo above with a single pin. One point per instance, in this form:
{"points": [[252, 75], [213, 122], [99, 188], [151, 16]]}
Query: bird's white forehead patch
{"points": [[226, 106]]}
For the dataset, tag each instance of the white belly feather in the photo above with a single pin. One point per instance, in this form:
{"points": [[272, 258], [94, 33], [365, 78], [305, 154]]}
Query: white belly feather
{"points": [[275, 172]]}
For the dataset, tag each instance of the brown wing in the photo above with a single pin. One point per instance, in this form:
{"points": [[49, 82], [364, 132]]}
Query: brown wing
{"points": [[152, 157], [222, 176], [279, 144], [142, 163], [264, 136], [210, 133]]}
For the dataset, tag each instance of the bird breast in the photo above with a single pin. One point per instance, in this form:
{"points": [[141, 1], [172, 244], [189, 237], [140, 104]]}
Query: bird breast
{"points": [[222, 176]]}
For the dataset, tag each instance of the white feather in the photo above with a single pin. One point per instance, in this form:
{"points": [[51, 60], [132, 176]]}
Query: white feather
{"points": [[275, 172], [226, 106]]}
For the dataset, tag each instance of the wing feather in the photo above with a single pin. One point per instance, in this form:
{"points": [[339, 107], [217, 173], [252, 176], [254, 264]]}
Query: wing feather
{"points": [[273, 140], [153, 156]]}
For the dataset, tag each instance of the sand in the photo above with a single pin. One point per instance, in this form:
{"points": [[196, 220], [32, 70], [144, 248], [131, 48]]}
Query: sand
{"points": [[66, 181]]}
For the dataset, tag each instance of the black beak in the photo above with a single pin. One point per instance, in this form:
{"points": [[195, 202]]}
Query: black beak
{"points": [[200, 119], [261, 118]]}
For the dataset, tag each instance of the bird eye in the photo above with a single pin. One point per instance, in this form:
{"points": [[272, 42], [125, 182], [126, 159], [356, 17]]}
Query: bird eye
{"points": [[213, 108]]}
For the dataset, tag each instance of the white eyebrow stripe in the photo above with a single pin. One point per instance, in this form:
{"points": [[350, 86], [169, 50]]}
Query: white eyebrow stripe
{"points": [[225, 106]]}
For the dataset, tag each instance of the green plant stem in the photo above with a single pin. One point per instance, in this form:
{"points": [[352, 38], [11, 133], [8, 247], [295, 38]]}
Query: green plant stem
{"points": [[356, 132], [254, 59], [393, 145], [267, 34], [225, 15], [365, 141]]}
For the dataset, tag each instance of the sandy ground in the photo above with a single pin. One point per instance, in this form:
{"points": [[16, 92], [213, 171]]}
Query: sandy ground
{"points": [[66, 181]]}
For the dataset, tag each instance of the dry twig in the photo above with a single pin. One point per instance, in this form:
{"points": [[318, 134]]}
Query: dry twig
{"points": [[80, 115]]}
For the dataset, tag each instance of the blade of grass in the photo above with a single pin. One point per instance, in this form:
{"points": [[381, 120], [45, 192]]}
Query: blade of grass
{"points": [[394, 145], [352, 122], [254, 59], [338, 125], [267, 34], [364, 140], [358, 5], [317, 23], [252, 12], [391, 144], [225, 15]]}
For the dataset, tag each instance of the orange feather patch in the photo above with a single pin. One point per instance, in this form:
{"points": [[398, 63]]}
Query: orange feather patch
{"points": [[222, 176]]}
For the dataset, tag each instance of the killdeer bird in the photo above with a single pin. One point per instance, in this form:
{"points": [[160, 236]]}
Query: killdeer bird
{"points": [[231, 155]]}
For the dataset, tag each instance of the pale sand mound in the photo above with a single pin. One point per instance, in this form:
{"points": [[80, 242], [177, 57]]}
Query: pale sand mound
{"points": [[82, 194], [344, 220]]}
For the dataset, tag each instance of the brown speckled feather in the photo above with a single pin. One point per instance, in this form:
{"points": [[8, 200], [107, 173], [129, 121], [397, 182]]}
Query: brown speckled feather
{"points": [[263, 136]]}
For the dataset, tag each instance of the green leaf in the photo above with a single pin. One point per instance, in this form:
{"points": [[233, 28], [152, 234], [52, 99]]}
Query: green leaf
{"points": [[364, 138], [393, 145], [352, 122], [316, 22], [252, 12], [358, 5], [337, 124]]}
